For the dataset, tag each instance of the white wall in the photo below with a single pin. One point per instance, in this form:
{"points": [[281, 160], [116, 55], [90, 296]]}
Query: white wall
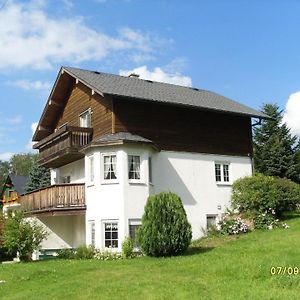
{"points": [[75, 170], [190, 175]]}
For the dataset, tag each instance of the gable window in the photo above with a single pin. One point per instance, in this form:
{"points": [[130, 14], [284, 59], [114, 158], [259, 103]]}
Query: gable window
{"points": [[111, 234], [222, 172], [110, 164], [90, 170], [134, 167], [85, 118]]}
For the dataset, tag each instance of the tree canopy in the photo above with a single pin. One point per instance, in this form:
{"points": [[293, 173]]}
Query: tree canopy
{"points": [[276, 150]]}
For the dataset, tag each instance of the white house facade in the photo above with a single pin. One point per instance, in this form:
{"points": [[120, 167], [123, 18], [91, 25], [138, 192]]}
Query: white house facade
{"points": [[107, 153]]}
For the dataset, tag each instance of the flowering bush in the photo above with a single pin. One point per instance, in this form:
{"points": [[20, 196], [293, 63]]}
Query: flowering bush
{"points": [[107, 255], [232, 225]]}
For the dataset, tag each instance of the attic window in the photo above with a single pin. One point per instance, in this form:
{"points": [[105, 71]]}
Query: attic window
{"points": [[195, 89], [149, 81], [85, 118], [96, 72]]}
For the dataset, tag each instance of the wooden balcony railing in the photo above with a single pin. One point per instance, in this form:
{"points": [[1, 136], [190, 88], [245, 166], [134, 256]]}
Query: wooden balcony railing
{"points": [[57, 197], [62, 146]]}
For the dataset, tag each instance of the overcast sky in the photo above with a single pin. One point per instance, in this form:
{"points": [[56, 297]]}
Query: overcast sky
{"points": [[248, 51]]}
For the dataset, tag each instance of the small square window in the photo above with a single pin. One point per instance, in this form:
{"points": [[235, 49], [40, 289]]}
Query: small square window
{"points": [[110, 165], [211, 221], [134, 167], [111, 234], [222, 172]]}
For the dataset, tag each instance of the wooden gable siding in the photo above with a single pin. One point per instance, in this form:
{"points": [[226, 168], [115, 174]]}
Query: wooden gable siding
{"points": [[184, 129], [81, 99]]}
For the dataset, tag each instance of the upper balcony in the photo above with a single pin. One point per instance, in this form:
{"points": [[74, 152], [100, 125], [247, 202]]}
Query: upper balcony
{"points": [[62, 146]]}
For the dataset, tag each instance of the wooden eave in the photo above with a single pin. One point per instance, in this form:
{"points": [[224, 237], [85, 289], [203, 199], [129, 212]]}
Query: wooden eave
{"points": [[56, 102]]}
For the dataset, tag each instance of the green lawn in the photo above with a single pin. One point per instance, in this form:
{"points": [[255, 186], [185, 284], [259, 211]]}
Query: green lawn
{"points": [[222, 268]]}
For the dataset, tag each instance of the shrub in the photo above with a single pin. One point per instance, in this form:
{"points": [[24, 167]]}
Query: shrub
{"points": [[165, 229], [229, 225], [66, 253], [22, 236], [85, 252], [127, 248], [107, 255], [258, 194]]}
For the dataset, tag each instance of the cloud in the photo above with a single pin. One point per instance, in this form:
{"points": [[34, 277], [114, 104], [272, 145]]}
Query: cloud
{"points": [[31, 85], [160, 75], [31, 38], [15, 120], [6, 155], [292, 113], [30, 143]]}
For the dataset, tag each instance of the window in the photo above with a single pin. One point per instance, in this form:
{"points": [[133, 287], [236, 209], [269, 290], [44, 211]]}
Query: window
{"points": [[66, 179], [86, 118], [150, 169], [111, 234], [92, 233], [110, 164], [211, 221], [222, 172], [90, 170], [134, 225], [134, 167]]}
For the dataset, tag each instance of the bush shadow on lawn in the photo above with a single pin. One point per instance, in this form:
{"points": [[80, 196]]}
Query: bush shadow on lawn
{"points": [[193, 250]]}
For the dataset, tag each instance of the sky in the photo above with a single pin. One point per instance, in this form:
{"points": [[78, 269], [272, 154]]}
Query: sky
{"points": [[248, 51]]}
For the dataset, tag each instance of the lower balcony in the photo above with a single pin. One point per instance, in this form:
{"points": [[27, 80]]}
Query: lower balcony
{"points": [[59, 199]]}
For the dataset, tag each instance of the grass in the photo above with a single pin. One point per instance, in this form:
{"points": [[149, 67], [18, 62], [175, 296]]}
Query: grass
{"points": [[215, 268]]}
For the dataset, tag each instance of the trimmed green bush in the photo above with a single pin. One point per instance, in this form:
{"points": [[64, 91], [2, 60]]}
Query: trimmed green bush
{"points": [[263, 194], [165, 230], [127, 248], [85, 252], [66, 253]]}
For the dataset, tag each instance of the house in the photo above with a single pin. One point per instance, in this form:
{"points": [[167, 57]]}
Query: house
{"points": [[111, 141], [13, 187]]}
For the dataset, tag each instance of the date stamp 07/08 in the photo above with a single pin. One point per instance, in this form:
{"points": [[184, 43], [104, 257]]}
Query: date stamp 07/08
{"points": [[284, 271]]}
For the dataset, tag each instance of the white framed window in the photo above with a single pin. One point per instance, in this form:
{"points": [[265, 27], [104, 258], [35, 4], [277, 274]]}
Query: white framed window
{"points": [[134, 225], [85, 118], [150, 169], [222, 172], [65, 179], [109, 167], [92, 232], [90, 169], [211, 221], [134, 167], [111, 239]]}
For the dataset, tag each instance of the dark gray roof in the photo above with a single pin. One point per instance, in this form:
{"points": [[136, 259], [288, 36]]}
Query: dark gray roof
{"points": [[19, 183], [134, 87], [121, 136]]}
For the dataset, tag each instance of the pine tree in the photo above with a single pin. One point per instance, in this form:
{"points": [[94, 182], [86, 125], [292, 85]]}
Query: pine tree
{"points": [[39, 177], [276, 152]]}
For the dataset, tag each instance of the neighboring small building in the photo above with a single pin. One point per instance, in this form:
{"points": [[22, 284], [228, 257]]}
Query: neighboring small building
{"points": [[11, 191], [111, 141]]}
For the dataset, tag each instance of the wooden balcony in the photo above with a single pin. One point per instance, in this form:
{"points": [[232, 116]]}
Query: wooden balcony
{"points": [[63, 146], [55, 199]]}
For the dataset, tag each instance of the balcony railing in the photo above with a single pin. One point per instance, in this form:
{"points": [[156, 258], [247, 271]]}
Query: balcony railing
{"points": [[59, 197], [62, 146]]}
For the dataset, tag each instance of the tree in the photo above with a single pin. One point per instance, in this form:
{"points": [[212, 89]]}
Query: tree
{"points": [[276, 152], [21, 164], [22, 235], [39, 177], [165, 229]]}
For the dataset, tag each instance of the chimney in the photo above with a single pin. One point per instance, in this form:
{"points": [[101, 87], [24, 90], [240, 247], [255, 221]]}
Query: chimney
{"points": [[134, 75]]}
